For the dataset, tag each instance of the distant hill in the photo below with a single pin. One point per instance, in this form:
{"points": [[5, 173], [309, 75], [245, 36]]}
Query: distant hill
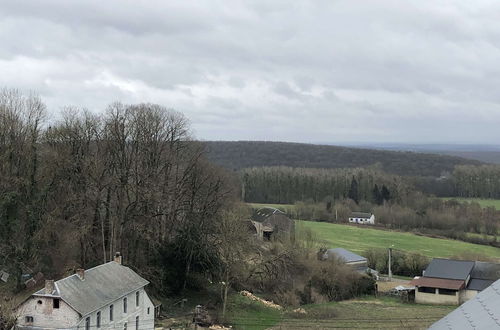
{"points": [[236, 155], [484, 153]]}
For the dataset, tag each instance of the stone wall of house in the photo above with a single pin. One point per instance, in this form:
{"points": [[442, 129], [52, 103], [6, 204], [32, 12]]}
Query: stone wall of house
{"points": [[44, 315]]}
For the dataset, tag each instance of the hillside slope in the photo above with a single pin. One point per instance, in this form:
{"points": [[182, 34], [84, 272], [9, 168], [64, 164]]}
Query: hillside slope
{"points": [[236, 155]]}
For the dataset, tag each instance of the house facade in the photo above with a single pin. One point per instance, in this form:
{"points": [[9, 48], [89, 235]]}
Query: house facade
{"points": [[362, 218], [109, 296], [454, 282]]}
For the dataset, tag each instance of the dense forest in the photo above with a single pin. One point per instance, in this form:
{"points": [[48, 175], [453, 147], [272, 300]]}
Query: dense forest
{"points": [[75, 191], [243, 154], [285, 185]]}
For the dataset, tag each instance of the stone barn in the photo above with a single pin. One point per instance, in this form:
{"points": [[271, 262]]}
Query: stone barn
{"points": [[270, 223]]}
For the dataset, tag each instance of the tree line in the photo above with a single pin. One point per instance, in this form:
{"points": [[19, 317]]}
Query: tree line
{"points": [[285, 185]]}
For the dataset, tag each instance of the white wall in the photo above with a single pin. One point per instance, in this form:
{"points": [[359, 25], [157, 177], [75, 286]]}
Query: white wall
{"points": [[146, 321], [370, 220], [45, 316]]}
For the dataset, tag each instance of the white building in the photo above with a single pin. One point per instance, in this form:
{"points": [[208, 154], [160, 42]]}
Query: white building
{"points": [[109, 296], [363, 218]]}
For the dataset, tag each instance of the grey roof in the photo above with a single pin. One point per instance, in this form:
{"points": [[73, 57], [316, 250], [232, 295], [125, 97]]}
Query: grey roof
{"points": [[486, 271], [361, 215], [101, 286], [449, 269], [478, 284], [344, 254], [263, 213], [481, 312]]}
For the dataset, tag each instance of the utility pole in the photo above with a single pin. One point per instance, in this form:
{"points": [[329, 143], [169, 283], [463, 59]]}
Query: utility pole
{"points": [[390, 264]]}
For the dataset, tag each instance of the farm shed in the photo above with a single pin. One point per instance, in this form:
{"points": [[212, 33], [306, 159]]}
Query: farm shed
{"points": [[447, 281], [357, 262], [269, 222]]}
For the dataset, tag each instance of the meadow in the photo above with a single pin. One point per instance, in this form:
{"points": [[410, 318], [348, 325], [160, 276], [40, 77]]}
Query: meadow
{"points": [[361, 238], [364, 312], [481, 201]]}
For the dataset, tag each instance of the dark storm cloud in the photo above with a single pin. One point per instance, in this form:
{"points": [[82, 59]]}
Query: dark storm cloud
{"points": [[416, 71]]}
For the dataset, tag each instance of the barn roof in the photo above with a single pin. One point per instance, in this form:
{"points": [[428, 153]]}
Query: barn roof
{"points": [[344, 254], [481, 312], [263, 213], [101, 286], [432, 282], [449, 269]]}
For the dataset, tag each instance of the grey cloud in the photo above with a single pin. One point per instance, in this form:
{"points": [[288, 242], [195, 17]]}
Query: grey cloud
{"points": [[418, 71]]}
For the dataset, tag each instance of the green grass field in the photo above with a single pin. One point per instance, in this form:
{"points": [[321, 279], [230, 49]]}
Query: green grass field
{"points": [[367, 312], [364, 312], [359, 239], [481, 201]]}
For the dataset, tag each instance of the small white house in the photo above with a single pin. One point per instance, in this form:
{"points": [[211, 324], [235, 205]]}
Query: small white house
{"points": [[109, 296], [362, 218]]}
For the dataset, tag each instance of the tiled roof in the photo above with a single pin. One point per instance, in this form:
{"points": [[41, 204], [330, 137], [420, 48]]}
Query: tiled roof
{"points": [[101, 286], [432, 282], [481, 312], [361, 215]]}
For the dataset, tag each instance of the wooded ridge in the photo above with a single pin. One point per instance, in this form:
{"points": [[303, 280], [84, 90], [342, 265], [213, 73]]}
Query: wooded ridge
{"points": [[237, 155]]}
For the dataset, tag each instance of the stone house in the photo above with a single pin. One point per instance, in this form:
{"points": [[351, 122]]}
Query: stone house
{"points": [[453, 282], [362, 218], [269, 222], [109, 296]]}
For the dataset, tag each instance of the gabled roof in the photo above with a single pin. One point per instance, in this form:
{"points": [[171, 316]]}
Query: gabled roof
{"points": [[101, 286], [481, 312], [344, 254], [449, 269], [361, 215]]}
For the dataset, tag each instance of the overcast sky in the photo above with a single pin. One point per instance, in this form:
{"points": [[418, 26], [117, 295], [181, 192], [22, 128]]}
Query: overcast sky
{"points": [[329, 71]]}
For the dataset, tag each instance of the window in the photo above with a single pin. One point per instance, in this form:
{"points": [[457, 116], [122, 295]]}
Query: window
{"points": [[28, 319], [125, 305], [39, 302], [87, 323], [137, 323], [447, 292], [111, 313], [55, 303], [426, 289], [98, 321], [137, 299], [148, 310], [125, 326]]}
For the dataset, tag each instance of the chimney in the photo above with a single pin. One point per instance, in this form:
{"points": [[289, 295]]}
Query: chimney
{"points": [[81, 273], [49, 286], [118, 258]]}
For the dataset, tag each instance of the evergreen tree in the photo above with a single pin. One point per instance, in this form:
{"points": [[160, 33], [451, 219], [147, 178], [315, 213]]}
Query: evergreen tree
{"points": [[377, 196], [386, 194], [353, 191]]}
